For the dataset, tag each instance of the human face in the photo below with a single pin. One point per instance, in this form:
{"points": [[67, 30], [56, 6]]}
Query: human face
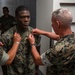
{"points": [[24, 18], [55, 26], [5, 12]]}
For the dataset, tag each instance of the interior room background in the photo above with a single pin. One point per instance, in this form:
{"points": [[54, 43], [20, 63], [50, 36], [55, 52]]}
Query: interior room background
{"points": [[41, 17]]}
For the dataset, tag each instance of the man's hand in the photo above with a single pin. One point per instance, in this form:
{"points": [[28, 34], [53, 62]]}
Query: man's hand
{"points": [[1, 44], [31, 39], [37, 31], [16, 37]]}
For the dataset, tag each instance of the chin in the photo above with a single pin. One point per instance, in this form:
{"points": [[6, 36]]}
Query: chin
{"points": [[25, 26]]}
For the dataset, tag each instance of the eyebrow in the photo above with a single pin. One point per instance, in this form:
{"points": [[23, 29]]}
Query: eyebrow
{"points": [[25, 16]]}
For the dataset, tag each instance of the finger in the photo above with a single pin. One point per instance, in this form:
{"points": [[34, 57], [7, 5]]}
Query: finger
{"points": [[1, 44], [15, 34]]}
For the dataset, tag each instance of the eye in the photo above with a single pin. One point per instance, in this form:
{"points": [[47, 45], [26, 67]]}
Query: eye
{"points": [[24, 17]]}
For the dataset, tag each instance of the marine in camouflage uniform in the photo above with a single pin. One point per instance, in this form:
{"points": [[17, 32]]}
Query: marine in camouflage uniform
{"points": [[6, 21], [61, 57], [3, 55], [23, 63]]}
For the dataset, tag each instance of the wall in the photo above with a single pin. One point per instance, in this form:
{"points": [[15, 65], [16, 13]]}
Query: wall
{"points": [[43, 21]]}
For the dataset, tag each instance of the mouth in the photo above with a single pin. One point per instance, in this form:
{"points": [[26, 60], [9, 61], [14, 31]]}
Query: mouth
{"points": [[26, 23]]}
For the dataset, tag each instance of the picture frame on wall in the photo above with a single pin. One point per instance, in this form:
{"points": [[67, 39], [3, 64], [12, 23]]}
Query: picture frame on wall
{"points": [[71, 7]]}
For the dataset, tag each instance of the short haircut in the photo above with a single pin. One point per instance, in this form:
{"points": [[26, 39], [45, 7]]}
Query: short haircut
{"points": [[5, 8], [20, 8], [63, 15]]}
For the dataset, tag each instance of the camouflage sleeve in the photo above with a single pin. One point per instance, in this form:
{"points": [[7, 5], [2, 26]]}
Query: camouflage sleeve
{"points": [[1, 53], [45, 60], [4, 58], [50, 57], [6, 40], [54, 57], [37, 42]]}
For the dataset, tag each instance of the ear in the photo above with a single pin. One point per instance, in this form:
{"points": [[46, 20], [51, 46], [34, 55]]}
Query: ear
{"points": [[58, 23]]}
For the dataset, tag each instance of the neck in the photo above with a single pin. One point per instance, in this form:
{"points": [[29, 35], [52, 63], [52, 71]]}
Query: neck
{"points": [[65, 32], [21, 29], [6, 15]]}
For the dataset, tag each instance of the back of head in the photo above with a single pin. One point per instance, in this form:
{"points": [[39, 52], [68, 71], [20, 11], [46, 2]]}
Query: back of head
{"points": [[63, 15], [20, 8]]}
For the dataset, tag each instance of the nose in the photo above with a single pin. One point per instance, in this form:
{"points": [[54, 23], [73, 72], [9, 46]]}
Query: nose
{"points": [[26, 19]]}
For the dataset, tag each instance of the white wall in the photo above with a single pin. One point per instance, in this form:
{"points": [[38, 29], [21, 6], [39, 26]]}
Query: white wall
{"points": [[56, 4], [43, 21]]}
